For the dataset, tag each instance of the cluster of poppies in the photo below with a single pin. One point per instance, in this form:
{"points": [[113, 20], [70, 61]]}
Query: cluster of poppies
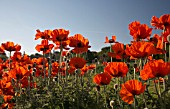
{"points": [[143, 47], [19, 69]]}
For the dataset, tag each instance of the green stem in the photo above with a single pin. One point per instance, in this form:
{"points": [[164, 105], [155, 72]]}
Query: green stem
{"points": [[134, 103], [169, 74], [111, 50], [134, 73], [144, 99], [10, 60], [159, 97]]}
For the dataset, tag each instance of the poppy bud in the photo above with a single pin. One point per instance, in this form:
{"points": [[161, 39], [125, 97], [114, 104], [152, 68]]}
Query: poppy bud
{"points": [[34, 65], [12, 81], [52, 60], [68, 54], [104, 55], [128, 65], [55, 78], [168, 38], [112, 103], [135, 65], [115, 86], [95, 60], [48, 59], [97, 88], [29, 67], [128, 60], [76, 71], [65, 59], [68, 61], [34, 69]]}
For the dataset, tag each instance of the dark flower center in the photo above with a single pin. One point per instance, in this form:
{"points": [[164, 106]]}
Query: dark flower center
{"points": [[79, 44]]}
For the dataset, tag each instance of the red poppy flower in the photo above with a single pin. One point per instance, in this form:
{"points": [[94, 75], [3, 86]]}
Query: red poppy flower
{"points": [[79, 43], [77, 62], [116, 69], [44, 47], [130, 89], [118, 51], [43, 35], [139, 31], [60, 35], [102, 79], [162, 23], [110, 40], [55, 67], [155, 68], [9, 46], [141, 49], [64, 53], [166, 36]]}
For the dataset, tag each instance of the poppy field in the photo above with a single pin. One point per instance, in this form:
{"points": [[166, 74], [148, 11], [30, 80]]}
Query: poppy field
{"points": [[128, 76]]}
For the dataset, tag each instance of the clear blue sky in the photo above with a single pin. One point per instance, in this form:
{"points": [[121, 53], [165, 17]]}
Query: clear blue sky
{"points": [[94, 19]]}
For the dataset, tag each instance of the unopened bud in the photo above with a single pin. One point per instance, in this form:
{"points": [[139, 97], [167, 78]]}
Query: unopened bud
{"points": [[135, 65], [112, 103], [168, 38], [115, 86], [98, 88]]}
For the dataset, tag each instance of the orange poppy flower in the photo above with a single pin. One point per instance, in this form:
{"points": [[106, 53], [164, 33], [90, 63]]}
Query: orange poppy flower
{"points": [[92, 66], [9, 46], [157, 40], [116, 69], [161, 80], [79, 43], [139, 31], [44, 47], [39, 61], [60, 35], [77, 62], [141, 49], [25, 82], [118, 50], [84, 69], [62, 44], [55, 68], [18, 72], [162, 23], [131, 88], [155, 68], [1, 49], [102, 79], [71, 69], [16, 56], [110, 40], [43, 35]]}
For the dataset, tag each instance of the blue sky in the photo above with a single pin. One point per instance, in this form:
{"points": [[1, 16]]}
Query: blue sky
{"points": [[94, 19]]}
